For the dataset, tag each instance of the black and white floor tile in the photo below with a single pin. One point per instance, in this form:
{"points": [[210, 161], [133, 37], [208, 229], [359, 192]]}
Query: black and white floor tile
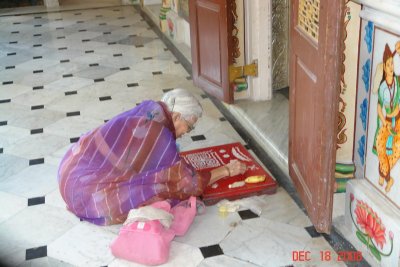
{"points": [[64, 73]]}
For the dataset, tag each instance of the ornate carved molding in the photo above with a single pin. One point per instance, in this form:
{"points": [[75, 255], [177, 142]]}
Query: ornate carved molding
{"points": [[233, 31], [280, 43], [341, 136]]}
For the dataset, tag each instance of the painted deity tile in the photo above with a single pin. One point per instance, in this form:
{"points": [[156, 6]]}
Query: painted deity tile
{"points": [[382, 142]]}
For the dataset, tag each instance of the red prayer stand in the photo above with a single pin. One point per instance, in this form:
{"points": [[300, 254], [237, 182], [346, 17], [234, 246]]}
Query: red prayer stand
{"points": [[209, 158]]}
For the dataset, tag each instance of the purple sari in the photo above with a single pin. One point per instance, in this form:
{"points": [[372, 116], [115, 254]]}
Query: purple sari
{"points": [[130, 161]]}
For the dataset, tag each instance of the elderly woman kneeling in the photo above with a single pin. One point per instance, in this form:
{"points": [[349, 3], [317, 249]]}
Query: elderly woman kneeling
{"points": [[132, 161]]}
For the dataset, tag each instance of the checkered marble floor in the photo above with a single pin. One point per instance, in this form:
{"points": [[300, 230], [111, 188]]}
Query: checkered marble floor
{"points": [[64, 73]]}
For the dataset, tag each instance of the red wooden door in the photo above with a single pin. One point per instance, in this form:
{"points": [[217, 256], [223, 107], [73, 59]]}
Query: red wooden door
{"points": [[315, 36], [211, 57]]}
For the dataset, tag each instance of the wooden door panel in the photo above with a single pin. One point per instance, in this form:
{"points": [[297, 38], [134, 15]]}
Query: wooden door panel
{"points": [[209, 42], [303, 140], [315, 33], [211, 55]]}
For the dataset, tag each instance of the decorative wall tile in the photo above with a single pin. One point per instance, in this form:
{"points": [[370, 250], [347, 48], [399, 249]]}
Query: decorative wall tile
{"points": [[374, 223]]}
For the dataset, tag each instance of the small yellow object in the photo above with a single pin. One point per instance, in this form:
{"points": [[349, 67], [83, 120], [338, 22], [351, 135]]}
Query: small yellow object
{"points": [[223, 211], [255, 179]]}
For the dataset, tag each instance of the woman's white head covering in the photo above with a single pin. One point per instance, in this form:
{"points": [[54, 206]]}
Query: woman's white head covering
{"points": [[184, 102]]}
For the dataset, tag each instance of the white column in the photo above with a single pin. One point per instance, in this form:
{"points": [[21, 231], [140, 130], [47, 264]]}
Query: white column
{"points": [[258, 46]]}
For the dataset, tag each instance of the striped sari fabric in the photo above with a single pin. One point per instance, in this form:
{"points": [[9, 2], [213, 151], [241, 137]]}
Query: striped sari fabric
{"points": [[130, 161]]}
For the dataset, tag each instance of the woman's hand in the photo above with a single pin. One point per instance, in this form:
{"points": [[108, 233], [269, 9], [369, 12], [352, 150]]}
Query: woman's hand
{"points": [[236, 167]]}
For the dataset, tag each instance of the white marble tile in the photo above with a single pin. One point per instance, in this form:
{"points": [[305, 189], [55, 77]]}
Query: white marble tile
{"points": [[264, 115], [96, 72], [129, 76], [12, 90], [106, 110], [180, 255], [146, 33], [11, 254], [175, 69], [83, 245], [264, 242], [55, 157], [71, 103], [167, 55], [37, 64], [92, 45], [281, 208], [70, 84], [73, 126], [37, 97], [210, 110], [10, 165], [339, 200], [44, 262], [36, 226], [79, 36], [121, 62], [110, 50], [34, 181], [24, 117], [90, 58], [209, 228], [55, 199], [146, 51], [10, 134], [151, 65], [14, 205], [321, 254], [56, 24], [37, 146], [223, 261], [161, 82], [64, 54], [14, 75], [106, 88], [137, 94]]}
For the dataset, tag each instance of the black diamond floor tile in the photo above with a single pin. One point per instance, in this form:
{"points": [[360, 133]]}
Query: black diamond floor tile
{"points": [[2, 101], [37, 131], [71, 92], [36, 201], [211, 251], [37, 107], [167, 89], [34, 253], [312, 231], [198, 137], [74, 113], [36, 161], [74, 139], [247, 214]]}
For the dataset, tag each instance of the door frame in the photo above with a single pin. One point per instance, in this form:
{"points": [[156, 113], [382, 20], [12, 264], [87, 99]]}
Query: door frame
{"points": [[257, 14]]}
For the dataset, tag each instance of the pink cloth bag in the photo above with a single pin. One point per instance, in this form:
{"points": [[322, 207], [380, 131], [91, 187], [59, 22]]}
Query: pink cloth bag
{"points": [[148, 242], [184, 214], [145, 242]]}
